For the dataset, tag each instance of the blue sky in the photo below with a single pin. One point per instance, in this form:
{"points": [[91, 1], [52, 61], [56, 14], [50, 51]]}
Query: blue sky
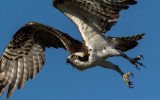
{"points": [[59, 81]]}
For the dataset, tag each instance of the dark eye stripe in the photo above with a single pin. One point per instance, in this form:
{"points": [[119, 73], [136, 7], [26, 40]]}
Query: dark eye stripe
{"points": [[85, 58]]}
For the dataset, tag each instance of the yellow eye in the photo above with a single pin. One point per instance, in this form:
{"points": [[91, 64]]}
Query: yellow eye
{"points": [[73, 56]]}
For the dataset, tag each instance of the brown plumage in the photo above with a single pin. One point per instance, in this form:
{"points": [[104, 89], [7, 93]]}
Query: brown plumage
{"points": [[24, 56]]}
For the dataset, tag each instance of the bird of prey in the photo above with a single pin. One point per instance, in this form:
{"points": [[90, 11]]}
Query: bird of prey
{"points": [[24, 56]]}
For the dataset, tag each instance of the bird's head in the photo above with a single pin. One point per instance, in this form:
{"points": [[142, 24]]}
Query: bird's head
{"points": [[77, 59]]}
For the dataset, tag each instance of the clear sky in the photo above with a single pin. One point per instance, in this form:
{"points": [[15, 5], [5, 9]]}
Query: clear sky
{"points": [[59, 81]]}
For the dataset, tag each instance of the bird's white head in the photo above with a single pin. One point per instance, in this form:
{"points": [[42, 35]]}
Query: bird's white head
{"points": [[78, 60]]}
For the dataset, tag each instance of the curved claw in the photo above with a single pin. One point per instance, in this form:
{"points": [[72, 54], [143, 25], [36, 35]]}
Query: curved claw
{"points": [[130, 84], [126, 79], [132, 75], [142, 56], [136, 66], [136, 63], [141, 64]]}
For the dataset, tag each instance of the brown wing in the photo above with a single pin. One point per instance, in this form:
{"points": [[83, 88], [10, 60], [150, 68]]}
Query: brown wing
{"points": [[126, 43], [24, 56], [103, 14]]}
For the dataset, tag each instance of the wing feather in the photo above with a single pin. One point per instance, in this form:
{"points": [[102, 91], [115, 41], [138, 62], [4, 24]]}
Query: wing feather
{"points": [[24, 56], [102, 13], [35, 65], [13, 78], [20, 71], [25, 73]]}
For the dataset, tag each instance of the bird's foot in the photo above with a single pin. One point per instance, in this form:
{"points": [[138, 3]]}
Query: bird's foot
{"points": [[127, 80], [135, 61]]}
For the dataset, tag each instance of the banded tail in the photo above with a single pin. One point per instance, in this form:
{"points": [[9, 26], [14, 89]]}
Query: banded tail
{"points": [[126, 43]]}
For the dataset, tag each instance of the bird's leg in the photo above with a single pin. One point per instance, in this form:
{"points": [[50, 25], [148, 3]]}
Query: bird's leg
{"points": [[109, 65], [134, 61]]}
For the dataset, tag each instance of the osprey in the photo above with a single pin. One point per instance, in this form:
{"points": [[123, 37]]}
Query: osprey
{"points": [[24, 56]]}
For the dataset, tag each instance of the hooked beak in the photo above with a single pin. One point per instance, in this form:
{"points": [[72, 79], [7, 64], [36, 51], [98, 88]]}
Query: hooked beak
{"points": [[68, 61]]}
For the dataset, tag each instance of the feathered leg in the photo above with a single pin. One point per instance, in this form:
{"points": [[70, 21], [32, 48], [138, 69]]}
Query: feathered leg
{"points": [[109, 65]]}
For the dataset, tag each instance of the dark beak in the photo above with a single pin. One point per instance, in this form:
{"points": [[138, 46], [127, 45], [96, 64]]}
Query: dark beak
{"points": [[68, 61]]}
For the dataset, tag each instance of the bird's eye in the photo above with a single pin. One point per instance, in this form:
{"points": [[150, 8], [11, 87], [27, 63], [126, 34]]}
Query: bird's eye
{"points": [[73, 56]]}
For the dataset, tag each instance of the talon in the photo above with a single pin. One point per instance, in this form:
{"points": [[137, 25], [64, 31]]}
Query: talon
{"points": [[141, 64], [126, 79], [130, 85], [135, 62], [136, 66], [142, 56], [132, 75]]}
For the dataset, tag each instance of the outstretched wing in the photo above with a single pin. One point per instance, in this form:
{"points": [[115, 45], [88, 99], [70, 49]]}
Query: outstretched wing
{"points": [[24, 56], [100, 15], [93, 17]]}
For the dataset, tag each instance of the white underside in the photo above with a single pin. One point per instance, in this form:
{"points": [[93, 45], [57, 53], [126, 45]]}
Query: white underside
{"points": [[100, 45]]}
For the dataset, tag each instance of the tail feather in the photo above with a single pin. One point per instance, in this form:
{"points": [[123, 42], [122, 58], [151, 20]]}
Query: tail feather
{"points": [[127, 43]]}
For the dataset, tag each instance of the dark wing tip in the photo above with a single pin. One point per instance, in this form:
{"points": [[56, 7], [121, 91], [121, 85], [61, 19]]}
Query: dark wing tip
{"points": [[54, 3], [139, 36], [132, 2]]}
